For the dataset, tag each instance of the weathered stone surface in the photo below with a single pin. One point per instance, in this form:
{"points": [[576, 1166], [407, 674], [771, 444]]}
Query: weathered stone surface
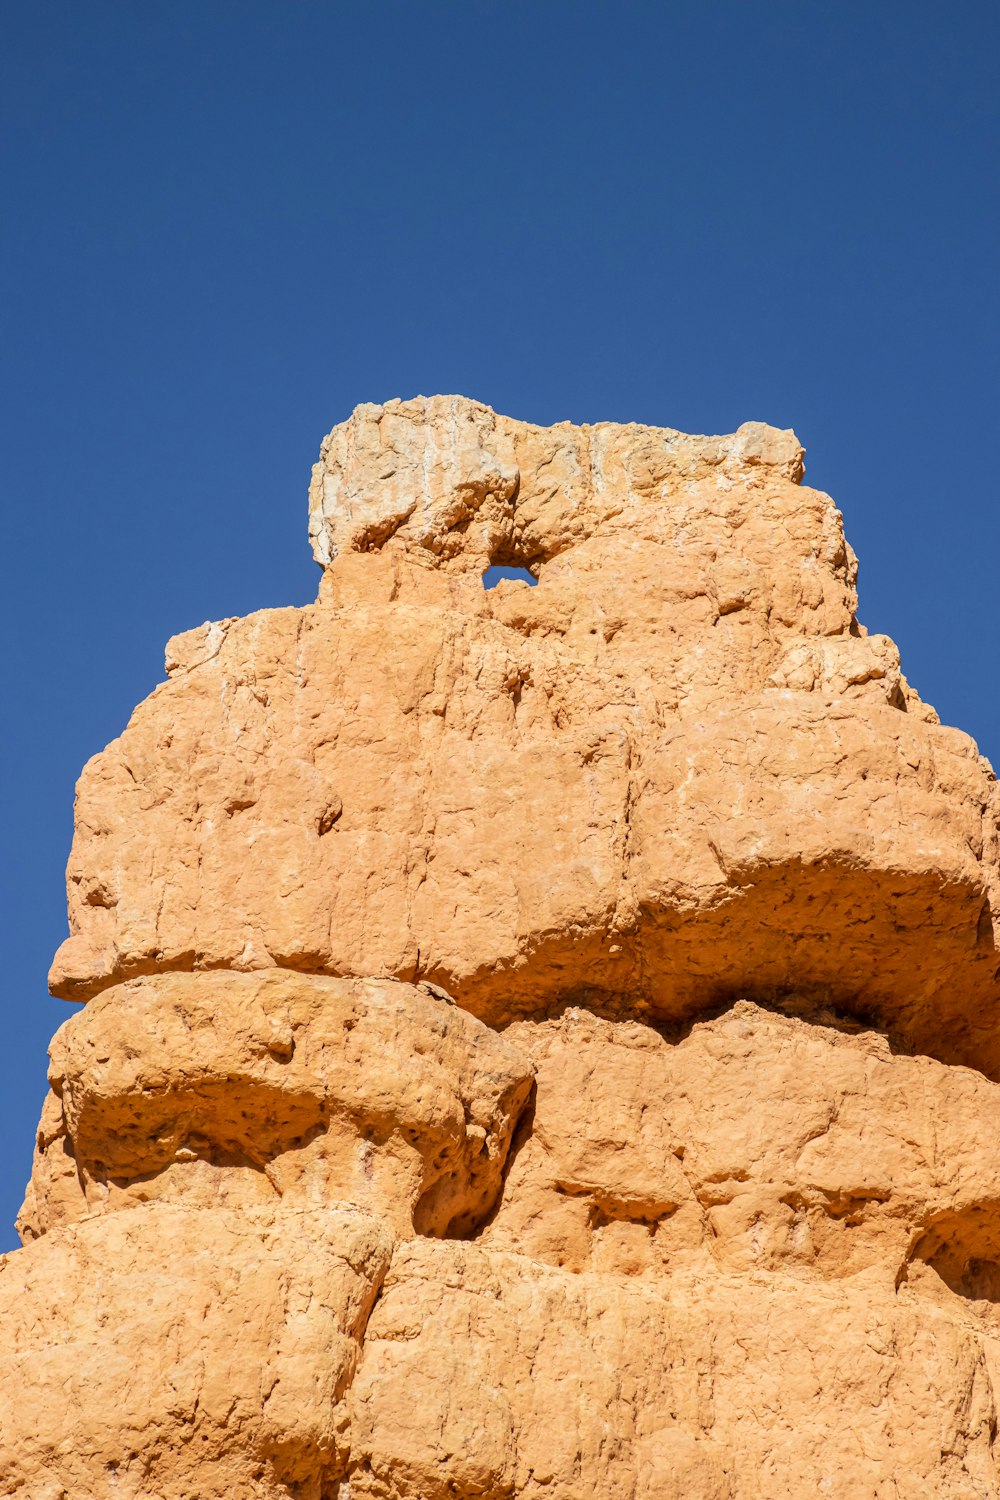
{"points": [[170, 1351], [670, 774], [486, 1374], [693, 1194], [237, 1089], [752, 1296], [758, 1141]]}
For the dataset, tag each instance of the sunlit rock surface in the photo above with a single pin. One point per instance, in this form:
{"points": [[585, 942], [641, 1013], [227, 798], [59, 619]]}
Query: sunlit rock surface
{"points": [[541, 1042]]}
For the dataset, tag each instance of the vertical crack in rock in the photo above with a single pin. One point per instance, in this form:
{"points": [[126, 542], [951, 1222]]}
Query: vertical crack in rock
{"points": [[540, 1043]]}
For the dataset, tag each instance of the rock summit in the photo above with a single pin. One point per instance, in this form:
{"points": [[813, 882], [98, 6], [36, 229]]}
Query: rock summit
{"points": [[541, 1042]]}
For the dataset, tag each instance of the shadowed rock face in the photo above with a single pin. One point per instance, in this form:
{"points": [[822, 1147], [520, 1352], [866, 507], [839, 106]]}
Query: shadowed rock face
{"points": [[540, 1043]]}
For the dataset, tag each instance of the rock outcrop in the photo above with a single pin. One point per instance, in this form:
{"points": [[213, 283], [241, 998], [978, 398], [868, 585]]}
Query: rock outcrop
{"points": [[541, 1042]]}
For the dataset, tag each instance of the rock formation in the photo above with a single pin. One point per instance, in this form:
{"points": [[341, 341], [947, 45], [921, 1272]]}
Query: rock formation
{"points": [[541, 1043]]}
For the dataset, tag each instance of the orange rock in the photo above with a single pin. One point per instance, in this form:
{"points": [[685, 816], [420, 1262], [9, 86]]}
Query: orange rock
{"points": [[173, 1351], [491, 1374], [541, 1043], [758, 1141], [671, 774], [240, 1089]]}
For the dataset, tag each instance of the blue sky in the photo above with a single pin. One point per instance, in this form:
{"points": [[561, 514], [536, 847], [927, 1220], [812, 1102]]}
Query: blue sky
{"points": [[226, 224]]}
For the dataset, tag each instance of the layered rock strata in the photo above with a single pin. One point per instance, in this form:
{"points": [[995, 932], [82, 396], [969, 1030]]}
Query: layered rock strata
{"points": [[540, 1042]]}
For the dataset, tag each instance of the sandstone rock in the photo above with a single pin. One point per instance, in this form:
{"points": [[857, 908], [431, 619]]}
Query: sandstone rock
{"points": [[541, 1044], [668, 775], [170, 1351], [236, 1089], [491, 1375], [757, 1141]]}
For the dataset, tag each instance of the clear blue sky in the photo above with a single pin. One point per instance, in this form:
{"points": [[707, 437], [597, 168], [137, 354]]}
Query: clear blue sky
{"points": [[225, 224]]}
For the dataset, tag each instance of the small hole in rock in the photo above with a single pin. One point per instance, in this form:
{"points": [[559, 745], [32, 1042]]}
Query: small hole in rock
{"points": [[494, 573], [328, 817]]}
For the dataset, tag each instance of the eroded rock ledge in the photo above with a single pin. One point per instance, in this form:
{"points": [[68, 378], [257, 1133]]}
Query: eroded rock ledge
{"points": [[677, 772], [541, 1043]]}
